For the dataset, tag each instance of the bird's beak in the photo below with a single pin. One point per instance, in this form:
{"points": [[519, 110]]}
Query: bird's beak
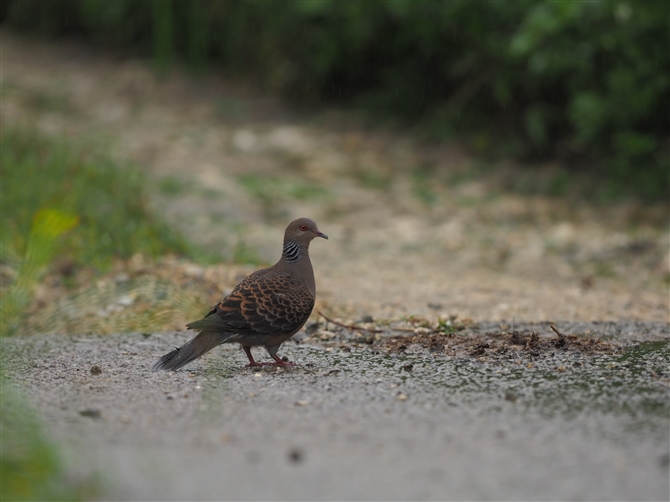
{"points": [[321, 234]]}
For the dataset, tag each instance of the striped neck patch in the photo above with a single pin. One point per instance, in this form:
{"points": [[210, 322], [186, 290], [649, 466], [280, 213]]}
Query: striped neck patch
{"points": [[291, 252]]}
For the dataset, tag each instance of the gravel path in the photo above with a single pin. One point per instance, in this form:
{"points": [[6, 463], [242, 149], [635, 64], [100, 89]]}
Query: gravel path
{"points": [[357, 422]]}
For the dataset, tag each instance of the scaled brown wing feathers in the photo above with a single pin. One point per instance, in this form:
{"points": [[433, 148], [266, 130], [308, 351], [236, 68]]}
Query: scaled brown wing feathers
{"points": [[270, 304]]}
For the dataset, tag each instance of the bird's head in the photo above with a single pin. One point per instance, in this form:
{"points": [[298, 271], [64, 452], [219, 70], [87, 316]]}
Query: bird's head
{"points": [[302, 231]]}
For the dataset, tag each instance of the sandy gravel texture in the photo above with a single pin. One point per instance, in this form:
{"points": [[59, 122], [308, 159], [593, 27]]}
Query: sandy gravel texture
{"points": [[356, 424], [411, 223]]}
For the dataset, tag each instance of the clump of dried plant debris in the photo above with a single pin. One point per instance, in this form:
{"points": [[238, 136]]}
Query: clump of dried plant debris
{"points": [[456, 338]]}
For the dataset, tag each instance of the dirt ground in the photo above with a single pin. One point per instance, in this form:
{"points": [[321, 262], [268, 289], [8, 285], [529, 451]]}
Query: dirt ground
{"points": [[415, 228]]}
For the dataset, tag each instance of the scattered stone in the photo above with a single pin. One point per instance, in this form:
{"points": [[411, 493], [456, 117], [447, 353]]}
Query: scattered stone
{"points": [[93, 413], [295, 455], [326, 335], [364, 337]]}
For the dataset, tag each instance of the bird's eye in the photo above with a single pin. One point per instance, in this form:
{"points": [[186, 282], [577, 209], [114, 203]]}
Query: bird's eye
{"points": [[303, 228]]}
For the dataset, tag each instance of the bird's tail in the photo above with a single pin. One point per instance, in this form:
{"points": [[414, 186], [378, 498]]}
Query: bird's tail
{"points": [[191, 350]]}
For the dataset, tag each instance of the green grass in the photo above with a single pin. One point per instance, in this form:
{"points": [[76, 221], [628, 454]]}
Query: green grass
{"points": [[373, 180], [58, 200], [271, 191], [229, 108], [30, 465], [272, 187], [109, 200], [423, 186], [244, 255], [172, 185]]}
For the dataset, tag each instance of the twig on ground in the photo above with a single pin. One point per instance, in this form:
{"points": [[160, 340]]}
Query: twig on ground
{"points": [[360, 328], [560, 335], [561, 338], [533, 345], [349, 326]]}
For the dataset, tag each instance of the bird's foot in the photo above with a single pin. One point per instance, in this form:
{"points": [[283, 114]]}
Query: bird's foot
{"points": [[283, 363], [280, 362], [276, 363]]}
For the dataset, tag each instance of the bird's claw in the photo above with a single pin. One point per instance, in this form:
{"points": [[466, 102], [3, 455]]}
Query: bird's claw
{"points": [[277, 363]]}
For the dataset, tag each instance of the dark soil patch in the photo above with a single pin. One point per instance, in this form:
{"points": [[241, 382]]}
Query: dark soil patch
{"points": [[550, 342], [497, 344]]}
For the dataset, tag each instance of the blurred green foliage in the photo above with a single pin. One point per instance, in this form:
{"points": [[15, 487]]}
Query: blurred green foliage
{"points": [[44, 176], [60, 202], [30, 466], [584, 82], [270, 190], [47, 226]]}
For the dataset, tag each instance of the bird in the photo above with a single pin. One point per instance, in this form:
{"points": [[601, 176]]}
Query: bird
{"points": [[267, 308]]}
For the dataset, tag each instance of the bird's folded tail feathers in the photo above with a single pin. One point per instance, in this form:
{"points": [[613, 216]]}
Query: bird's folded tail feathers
{"points": [[191, 350]]}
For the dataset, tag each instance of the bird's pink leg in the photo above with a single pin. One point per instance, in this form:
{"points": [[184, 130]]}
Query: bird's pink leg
{"points": [[279, 362], [252, 362], [247, 351], [272, 350]]}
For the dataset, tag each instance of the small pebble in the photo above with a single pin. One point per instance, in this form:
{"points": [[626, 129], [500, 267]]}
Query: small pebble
{"points": [[295, 455], [91, 413]]}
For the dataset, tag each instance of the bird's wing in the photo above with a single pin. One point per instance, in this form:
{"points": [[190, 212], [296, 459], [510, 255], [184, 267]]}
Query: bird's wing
{"points": [[274, 304]]}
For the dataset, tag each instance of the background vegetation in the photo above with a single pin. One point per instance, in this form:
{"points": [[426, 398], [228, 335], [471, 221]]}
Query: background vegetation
{"points": [[31, 465], [60, 201], [107, 201], [587, 83]]}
